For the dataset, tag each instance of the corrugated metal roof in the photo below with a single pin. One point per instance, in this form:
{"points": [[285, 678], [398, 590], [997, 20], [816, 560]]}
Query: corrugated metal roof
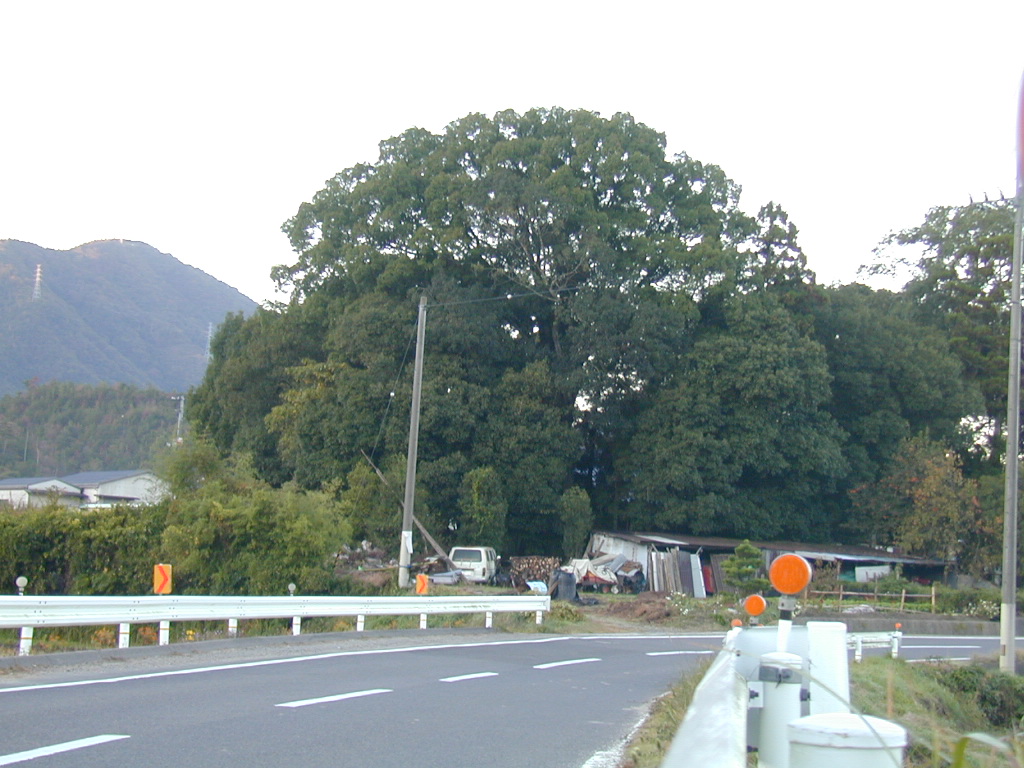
{"points": [[815, 551], [95, 478], [23, 482]]}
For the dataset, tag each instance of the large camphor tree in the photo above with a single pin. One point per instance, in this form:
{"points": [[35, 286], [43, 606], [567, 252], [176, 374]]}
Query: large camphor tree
{"points": [[602, 319]]}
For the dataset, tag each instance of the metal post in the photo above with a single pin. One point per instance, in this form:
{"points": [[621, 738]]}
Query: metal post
{"points": [[165, 633], [405, 545], [296, 625], [232, 627], [25, 646], [423, 621], [123, 635], [1008, 608], [360, 623]]}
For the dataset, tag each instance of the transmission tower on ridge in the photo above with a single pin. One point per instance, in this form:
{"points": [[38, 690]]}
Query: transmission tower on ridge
{"points": [[37, 289]]}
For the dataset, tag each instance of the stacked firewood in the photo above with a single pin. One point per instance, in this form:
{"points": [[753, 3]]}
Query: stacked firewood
{"points": [[531, 568]]}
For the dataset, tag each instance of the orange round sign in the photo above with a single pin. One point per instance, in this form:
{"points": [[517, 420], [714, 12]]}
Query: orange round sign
{"points": [[755, 605], [789, 574]]}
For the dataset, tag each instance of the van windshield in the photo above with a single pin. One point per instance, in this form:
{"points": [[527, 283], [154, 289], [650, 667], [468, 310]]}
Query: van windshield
{"points": [[467, 555]]}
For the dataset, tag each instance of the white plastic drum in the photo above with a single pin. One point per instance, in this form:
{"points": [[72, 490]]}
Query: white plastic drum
{"points": [[843, 740]]}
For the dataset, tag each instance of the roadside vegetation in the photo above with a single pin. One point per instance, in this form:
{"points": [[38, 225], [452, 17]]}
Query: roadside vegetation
{"points": [[956, 715]]}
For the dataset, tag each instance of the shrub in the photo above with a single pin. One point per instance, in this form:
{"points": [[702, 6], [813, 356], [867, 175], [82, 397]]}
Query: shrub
{"points": [[999, 696]]}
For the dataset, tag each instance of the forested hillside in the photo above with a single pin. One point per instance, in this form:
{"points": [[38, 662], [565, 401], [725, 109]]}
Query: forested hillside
{"points": [[111, 311], [62, 428], [611, 341]]}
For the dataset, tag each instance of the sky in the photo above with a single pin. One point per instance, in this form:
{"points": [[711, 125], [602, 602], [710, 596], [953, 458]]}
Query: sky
{"points": [[200, 127]]}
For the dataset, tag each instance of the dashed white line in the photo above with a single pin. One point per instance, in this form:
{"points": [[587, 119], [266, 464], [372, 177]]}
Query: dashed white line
{"points": [[566, 663], [473, 676], [337, 697], [56, 749], [677, 653]]}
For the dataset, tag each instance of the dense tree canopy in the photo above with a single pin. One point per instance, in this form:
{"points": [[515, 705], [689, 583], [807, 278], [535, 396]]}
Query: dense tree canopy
{"points": [[610, 341]]}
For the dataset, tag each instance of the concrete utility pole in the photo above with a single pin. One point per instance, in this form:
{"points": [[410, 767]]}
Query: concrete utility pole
{"points": [[1008, 608], [405, 545]]}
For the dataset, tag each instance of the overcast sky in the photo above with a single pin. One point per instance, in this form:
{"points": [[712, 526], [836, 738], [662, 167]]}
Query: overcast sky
{"points": [[199, 127]]}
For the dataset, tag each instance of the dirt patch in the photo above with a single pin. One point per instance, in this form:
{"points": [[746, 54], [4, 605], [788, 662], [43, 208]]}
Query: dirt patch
{"points": [[647, 606]]}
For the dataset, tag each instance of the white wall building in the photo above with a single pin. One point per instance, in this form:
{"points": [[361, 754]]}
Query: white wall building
{"points": [[84, 489]]}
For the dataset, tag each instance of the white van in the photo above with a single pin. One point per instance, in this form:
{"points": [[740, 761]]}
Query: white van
{"points": [[479, 564]]}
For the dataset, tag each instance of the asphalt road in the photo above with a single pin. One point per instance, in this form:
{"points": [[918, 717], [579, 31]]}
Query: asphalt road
{"points": [[559, 702]]}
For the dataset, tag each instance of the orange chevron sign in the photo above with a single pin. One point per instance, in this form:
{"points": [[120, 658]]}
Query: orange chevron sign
{"points": [[161, 579]]}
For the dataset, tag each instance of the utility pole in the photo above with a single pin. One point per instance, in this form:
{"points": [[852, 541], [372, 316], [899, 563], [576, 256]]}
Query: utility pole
{"points": [[405, 545], [1008, 608]]}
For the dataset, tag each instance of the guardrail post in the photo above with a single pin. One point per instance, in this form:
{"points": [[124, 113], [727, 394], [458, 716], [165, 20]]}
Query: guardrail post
{"points": [[25, 646], [124, 637], [165, 633], [360, 623], [780, 673], [423, 621], [489, 619], [296, 625], [895, 647], [540, 617], [232, 627]]}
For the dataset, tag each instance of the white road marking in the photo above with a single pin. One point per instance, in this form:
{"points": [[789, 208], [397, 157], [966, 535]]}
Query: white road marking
{"points": [[474, 676], [906, 647], [566, 663], [341, 654], [338, 697], [676, 653], [56, 749]]}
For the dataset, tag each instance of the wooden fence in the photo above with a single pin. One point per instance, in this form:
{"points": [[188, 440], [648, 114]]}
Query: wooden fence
{"points": [[875, 596]]}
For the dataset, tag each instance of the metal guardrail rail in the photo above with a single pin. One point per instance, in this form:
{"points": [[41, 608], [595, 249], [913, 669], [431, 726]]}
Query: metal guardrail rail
{"points": [[28, 612]]}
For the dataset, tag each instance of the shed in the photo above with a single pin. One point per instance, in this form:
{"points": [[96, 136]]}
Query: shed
{"points": [[692, 564]]}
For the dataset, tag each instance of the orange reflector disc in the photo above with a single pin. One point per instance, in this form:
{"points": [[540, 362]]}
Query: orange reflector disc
{"points": [[755, 605], [789, 574]]}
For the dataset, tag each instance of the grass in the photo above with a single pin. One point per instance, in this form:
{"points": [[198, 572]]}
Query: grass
{"points": [[962, 716]]}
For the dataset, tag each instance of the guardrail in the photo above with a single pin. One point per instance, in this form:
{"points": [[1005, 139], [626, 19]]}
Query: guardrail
{"points": [[67, 611], [861, 640]]}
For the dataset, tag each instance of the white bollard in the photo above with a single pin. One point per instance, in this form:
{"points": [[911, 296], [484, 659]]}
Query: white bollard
{"points": [[124, 637], [165, 633], [540, 618], [780, 677], [829, 683], [232, 627], [296, 625], [858, 648], [423, 621], [895, 649], [360, 622], [489, 619], [844, 740], [25, 646]]}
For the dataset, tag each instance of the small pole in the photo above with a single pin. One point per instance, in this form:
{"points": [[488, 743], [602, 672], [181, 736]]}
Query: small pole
{"points": [[165, 632], [25, 646], [360, 623], [423, 621], [123, 635], [296, 625], [232, 627]]}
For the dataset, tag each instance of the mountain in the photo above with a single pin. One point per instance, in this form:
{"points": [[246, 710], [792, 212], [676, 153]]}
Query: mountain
{"points": [[110, 311]]}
